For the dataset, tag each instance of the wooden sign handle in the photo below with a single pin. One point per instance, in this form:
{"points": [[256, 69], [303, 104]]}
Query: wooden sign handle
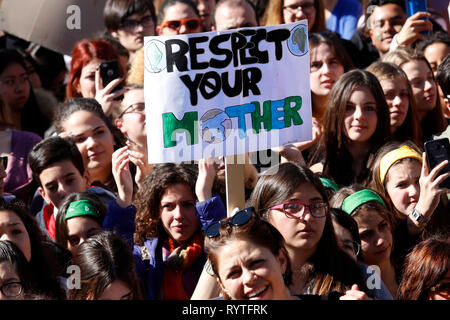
{"points": [[234, 182]]}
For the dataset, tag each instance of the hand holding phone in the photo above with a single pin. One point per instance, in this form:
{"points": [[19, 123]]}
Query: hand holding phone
{"points": [[414, 6], [109, 71]]}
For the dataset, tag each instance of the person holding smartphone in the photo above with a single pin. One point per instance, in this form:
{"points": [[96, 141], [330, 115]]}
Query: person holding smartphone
{"points": [[85, 79]]}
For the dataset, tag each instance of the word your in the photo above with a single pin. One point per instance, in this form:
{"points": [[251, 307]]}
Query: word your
{"points": [[277, 114], [242, 51], [74, 20]]}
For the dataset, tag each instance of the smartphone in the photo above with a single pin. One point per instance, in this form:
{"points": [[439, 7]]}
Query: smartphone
{"points": [[437, 151], [413, 6], [109, 70]]}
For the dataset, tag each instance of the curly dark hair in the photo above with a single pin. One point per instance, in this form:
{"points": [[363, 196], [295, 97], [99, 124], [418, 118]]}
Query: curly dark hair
{"points": [[148, 198]]}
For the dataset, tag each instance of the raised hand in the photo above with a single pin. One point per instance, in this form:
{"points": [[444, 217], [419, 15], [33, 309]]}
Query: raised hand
{"points": [[205, 179], [122, 177], [104, 95]]}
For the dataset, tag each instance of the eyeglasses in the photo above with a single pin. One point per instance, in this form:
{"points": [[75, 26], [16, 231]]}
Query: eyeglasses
{"points": [[239, 219], [307, 8], [353, 245], [189, 23], [4, 162], [11, 289], [131, 25], [297, 209], [134, 108]]}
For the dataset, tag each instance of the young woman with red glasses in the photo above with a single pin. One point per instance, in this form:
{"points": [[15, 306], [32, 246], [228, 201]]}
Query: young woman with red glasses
{"points": [[178, 17], [293, 200]]}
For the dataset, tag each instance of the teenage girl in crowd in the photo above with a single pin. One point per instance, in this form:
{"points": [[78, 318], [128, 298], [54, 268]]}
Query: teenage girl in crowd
{"points": [[83, 215], [375, 227], [401, 175], [19, 227], [329, 61], [168, 243], [107, 270], [424, 89], [287, 11], [84, 77], [356, 124], [15, 89], [15, 146], [293, 200], [83, 121], [426, 273], [15, 274], [399, 97], [250, 261]]}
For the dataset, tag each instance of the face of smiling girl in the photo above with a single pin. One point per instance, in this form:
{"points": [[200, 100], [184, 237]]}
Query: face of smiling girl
{"points": [[94, 141], [250, 272]]}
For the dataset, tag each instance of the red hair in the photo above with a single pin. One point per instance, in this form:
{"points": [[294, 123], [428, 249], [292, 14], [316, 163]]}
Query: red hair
{"points": [[84, 52]]}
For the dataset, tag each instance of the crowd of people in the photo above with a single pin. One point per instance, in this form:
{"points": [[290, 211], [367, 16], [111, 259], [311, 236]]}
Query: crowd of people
{"points": [[357, 213]]}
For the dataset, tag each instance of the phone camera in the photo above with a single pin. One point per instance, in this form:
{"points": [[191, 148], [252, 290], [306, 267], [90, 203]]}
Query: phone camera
{"points": [[110, 73]]}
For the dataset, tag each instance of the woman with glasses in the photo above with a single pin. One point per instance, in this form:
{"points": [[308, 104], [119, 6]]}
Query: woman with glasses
{"points": [[375, 227], [293, 200], [178, 17], [250, 262], [84, 77], [426, 273], [287, 11], [15, 274], [129, 21]]}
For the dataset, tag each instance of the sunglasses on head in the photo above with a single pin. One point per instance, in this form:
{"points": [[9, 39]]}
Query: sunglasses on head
{"points": [[189, 23], [238, 219]]}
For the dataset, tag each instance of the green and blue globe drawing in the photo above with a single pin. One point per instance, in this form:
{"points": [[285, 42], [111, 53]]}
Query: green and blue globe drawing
{"points": [[298, 41], [215, 125], [156, 56]]}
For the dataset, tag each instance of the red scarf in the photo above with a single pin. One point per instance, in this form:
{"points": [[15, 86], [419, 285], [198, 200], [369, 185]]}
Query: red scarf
{"points": [[176, 260]]}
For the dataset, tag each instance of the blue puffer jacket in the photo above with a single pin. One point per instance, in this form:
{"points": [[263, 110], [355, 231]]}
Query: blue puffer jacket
{"points": [[148, 259]]}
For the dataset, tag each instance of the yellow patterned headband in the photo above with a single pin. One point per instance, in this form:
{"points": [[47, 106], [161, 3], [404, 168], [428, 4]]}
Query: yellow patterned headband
{"points": [[391, 157]]}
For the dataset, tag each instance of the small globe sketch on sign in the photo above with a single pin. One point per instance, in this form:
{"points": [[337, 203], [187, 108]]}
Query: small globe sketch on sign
{"points": [[216, 126], [155, 52], [298, 41]]}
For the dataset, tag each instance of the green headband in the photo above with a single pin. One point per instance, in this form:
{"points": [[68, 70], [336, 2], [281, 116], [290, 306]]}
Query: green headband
{"points": [[327, 183], [81, 208], [356, 199]]}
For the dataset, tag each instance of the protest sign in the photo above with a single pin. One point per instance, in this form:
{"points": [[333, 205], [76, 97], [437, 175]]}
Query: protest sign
{"points": [[226, 93], [54, 24]]}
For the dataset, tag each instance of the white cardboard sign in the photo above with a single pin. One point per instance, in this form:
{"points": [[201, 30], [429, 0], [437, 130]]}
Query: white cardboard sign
{"points": [[225, 93]]}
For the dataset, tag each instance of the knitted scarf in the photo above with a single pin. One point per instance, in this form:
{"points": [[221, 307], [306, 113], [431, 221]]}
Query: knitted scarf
{"points": [[176, 260]]}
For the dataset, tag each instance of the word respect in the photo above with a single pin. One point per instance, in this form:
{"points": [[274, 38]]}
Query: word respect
{"points": [[239, 48]]}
